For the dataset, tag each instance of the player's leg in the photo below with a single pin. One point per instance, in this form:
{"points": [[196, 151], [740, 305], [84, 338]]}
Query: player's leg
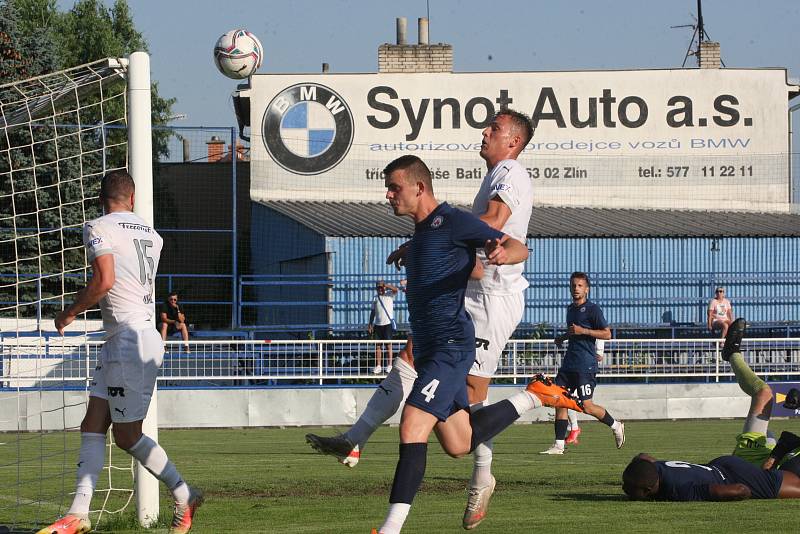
{"points": [[573, 428], [431, 399], [495, 318], [760, 393], [387, 399], [91, 457], [585, 390], [567, 380], [134, 358]]}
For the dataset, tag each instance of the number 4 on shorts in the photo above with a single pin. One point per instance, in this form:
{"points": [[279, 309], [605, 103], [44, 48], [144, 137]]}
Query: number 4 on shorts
{"points": [[430, 390]]}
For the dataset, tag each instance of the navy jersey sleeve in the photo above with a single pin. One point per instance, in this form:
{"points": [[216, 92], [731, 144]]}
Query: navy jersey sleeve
{"points": [[470, 230], [598, 319]]}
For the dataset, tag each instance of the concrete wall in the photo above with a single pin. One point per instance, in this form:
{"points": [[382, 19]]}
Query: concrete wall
{"points": [[341, 406]]}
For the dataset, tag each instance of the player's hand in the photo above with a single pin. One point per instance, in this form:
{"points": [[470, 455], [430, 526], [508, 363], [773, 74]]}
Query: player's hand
{"points": [[768, 463], [63, 319], [477, 271], [369, 329], [576, 330], [495, 252], [398, 257], [598, 357]]}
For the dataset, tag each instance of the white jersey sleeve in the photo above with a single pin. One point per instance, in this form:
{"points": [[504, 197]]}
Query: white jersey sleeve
{"points": [[508, 181]]}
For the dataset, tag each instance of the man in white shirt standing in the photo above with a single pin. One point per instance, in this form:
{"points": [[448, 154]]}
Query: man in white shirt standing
{"points": [[123, 251], [381, 322]]}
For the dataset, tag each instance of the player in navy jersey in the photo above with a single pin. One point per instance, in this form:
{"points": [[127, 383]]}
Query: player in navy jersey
{"points": [[727, 478], [585, 324], [440, 258]]}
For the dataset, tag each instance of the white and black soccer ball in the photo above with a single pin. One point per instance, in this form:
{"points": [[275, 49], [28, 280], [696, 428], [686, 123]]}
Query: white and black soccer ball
{"points": [[238, 54]]}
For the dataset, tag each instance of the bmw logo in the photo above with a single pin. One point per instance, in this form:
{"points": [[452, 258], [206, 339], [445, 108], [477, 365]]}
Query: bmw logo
{"points": [[307, 128]]}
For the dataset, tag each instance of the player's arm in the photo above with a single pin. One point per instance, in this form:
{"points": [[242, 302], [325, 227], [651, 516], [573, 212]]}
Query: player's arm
{"points": [[597, 333], [786, 443], [371, 317], [398, 256], [100, 284], [505, 250], [729, 492], [394, 289], [497, 213]]}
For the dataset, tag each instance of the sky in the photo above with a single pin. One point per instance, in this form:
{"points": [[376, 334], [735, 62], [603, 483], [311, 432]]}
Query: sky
{"points": [[513, 35]]}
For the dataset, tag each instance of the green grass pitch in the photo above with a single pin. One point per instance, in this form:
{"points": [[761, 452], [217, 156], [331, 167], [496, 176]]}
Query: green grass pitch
{"points": [[269, 480]]}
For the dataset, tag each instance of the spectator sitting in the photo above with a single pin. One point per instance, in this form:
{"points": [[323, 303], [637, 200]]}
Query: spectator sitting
{"points": [[173, 320], [720, 312]]}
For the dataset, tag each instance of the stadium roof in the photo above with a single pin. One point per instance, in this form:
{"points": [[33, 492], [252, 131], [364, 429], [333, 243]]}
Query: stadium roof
{"points": [[354, 219]]}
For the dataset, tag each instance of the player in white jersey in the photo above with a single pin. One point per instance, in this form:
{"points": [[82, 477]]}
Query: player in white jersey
{"points": [[495, 302], [123, 251]]}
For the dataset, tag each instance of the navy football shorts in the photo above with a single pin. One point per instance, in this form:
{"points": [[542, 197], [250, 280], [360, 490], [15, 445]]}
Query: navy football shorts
{"points": [[580, 384], [763, 484], [441, 385]]}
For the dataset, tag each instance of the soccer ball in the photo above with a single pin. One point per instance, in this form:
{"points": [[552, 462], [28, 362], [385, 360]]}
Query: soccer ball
{"points": [[238, 54]]}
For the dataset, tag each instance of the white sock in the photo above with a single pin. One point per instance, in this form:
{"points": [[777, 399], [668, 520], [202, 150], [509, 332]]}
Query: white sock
{"points": [[91, 459], [387, 399], [560, 443], [524, 401], [573, 420], [482, 458], [398, 511], [154, 459]]}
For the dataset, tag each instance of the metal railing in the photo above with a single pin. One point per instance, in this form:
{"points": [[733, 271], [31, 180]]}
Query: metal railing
{"points": [[64, 362]]}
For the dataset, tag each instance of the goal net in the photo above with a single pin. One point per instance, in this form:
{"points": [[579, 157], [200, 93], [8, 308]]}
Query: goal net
{"points": [[59, 134]]}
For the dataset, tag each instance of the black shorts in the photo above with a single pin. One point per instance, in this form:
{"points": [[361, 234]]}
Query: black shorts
{"points": [[577, 383], [383, 331], [763, 484]]}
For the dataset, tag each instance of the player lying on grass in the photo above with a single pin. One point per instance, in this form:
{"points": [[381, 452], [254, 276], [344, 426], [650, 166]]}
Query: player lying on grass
{"points": [[738, 476], [727, 478]]}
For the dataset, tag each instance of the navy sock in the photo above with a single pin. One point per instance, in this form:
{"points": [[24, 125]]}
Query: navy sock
{"points": [[607, 419], [409, 472], [490, 421], [561, 428]]}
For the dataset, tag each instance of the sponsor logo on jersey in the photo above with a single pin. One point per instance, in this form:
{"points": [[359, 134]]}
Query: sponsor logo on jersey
{"points": [[95, 241], [135, 226], [307, 128], [502, 187], [437, 221]]}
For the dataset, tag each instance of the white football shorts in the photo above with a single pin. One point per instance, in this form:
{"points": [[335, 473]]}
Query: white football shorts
{"points": [[495, 318], [126, 372]]}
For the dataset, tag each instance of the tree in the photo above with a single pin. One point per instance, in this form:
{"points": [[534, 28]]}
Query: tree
{"points": [[36, 38]]}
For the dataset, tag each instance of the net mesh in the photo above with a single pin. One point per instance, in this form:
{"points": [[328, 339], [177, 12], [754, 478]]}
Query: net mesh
{"points": [[59, 133]]}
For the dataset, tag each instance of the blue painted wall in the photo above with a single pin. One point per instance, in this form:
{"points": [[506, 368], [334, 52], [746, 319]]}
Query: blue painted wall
{"points": [[636, 280]]}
